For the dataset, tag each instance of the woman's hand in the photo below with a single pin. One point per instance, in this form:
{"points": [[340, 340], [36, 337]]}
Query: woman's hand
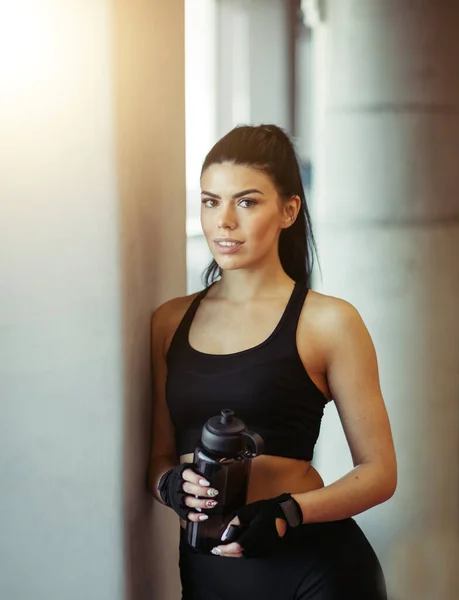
{"points": [[262, 525], [178, 489], [234, 549], [195, 485]]}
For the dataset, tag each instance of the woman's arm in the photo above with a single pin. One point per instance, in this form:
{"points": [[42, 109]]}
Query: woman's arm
{"points": [[353, 379], [162, 446]]}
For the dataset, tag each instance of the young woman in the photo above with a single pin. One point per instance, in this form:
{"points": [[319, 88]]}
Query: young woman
{"points": [[259, 341]]}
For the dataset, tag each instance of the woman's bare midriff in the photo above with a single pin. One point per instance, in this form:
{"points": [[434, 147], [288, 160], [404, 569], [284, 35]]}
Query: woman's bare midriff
{"points": [[271, 476]]}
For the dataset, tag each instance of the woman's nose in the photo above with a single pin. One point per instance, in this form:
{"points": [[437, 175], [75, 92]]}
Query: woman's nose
{"points": [[227, 218]]}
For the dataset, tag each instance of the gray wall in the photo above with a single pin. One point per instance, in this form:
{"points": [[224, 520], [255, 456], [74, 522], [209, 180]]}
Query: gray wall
{"points": [[386, 208], [252, 67], [92, 239]]}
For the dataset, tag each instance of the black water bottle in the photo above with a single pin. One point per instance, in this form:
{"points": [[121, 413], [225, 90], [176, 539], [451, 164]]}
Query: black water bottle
{"points": [[223, 457]]}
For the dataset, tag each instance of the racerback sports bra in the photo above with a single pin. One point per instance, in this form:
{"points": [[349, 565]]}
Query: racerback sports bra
{"points": [[267, 386]]}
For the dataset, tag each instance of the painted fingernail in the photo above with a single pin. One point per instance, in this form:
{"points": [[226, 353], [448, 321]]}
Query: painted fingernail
{"points": [[216, 551], [203, 517], [212, 492], [211, 503], [203, 482]]}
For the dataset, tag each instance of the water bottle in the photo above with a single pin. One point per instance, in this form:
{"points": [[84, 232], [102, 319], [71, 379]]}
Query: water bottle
{"points": [[223, 457]]}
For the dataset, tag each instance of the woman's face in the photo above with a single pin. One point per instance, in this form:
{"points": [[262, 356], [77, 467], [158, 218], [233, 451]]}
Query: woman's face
{"points": [[241, 215]]}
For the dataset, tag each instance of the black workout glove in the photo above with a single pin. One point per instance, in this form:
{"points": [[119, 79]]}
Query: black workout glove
{"points": [[257, 533], [171, 491]]}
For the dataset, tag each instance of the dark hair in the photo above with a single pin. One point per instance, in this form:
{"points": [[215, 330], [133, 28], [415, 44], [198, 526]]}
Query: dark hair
{"points": [[269, 149]]}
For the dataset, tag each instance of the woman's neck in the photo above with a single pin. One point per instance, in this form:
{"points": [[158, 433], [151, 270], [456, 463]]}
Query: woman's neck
{"points": [[243, 286]]}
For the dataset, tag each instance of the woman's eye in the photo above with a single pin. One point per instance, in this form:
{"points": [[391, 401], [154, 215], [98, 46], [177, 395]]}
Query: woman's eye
{"points": [[208, 202], [249, 203]]}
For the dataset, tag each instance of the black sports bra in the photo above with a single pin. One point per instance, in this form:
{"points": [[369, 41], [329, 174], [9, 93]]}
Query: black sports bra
{"points": [[267, 386]]}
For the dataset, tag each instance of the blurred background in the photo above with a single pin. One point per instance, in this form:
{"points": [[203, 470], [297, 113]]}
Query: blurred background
{"points": [[107, 110]]}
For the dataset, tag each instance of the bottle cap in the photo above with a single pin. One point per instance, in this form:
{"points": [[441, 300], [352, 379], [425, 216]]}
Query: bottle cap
{"points": [[227, 435]]}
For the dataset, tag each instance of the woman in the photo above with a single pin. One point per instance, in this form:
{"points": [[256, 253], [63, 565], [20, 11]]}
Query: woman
{"points": [[259, 341]]}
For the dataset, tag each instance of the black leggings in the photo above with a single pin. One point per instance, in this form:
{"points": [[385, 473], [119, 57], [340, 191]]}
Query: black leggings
{"points": [[319, 561]]}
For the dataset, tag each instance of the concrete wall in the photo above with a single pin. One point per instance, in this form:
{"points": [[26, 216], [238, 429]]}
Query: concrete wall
{"points": [[252, 65], [386, 210], [92, 193]]}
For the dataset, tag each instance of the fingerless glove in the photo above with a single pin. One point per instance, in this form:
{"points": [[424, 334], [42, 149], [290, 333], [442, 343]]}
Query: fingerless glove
{"points": [[257, 534], [171, 491]]}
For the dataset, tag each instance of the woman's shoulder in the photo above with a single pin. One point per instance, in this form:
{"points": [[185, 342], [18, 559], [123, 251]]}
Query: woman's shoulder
{"points": [[324, 304], [166, 318], [329, 315]]}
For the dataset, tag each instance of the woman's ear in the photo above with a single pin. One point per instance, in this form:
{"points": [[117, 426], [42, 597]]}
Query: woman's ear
{"points": [[291, 208]]}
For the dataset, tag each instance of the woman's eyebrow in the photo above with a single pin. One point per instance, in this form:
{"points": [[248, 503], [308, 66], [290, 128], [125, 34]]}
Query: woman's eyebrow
{"points": [[238, 195]]}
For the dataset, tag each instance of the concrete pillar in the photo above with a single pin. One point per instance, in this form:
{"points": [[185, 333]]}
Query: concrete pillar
{"points": [[386, 210], [268, 68], [149, 44], [92, 202], [252, 66]]}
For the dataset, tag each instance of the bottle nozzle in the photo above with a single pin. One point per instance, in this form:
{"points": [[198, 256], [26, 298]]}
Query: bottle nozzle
{"points": [[227, 415]]}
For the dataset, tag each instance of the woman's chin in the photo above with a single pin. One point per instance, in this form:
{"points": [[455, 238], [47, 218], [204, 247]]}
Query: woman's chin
{"points": [[230, 263]]}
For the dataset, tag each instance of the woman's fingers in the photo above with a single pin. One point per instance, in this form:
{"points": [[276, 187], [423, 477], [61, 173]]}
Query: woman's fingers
{"points": [[234, 523], [195, 485], [193, 502], [233, 550], [198, 490], [196, 517], [193, 477]]}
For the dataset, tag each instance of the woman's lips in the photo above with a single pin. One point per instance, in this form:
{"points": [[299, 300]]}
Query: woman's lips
{"points": [[228, 249]]}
